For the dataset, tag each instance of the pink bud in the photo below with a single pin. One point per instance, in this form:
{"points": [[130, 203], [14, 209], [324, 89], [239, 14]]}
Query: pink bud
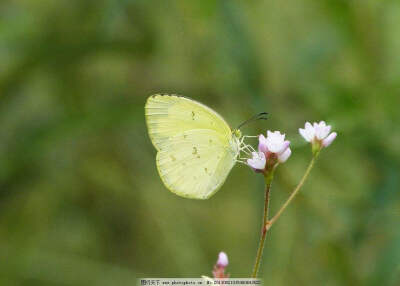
{"points": [[222, 259]]}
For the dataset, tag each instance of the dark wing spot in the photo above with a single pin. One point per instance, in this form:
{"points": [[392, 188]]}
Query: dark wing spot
{"points": [[193, 114], [210, 141], [194, 152], [198, 156], [185, 136], [173, 158], [205, 169]]}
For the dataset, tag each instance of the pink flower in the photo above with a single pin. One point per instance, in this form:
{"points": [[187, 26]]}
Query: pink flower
{"points": [[272, 149], [318, 133]]}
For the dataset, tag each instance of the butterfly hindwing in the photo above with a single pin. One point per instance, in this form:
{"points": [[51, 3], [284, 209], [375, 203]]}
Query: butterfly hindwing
{"points": [[195, 163]]}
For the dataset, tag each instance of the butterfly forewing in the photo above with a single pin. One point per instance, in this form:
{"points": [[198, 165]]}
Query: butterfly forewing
{"points": [[169, 115]]}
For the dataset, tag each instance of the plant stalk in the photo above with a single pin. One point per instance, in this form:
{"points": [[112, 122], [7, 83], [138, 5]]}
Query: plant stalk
{"points": [[293, 194], [268, 223], [268, 181]]}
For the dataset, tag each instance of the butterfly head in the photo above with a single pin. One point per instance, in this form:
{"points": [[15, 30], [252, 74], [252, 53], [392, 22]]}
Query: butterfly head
{"points": [[237, 133]]}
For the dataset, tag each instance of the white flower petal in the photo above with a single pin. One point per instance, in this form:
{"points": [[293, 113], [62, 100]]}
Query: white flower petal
{"points": [[262, 144], [279, 135], [284, 146], [258, 161], [322, 130], [310, 131], [284, 156], [325, 131], [308, 125], [328, 140], [275, 141], [318, 131], [304, 133]]}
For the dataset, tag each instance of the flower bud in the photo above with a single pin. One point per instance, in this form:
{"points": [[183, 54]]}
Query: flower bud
{"points": [[219, 268], [222, 259]]}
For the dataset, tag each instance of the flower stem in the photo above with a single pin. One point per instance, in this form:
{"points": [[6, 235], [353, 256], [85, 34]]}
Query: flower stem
{"points": [[268, 180], [293, 194], [268, 223]]}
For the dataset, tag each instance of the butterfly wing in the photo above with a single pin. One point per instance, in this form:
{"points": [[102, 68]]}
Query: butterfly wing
{"points": [[169, 115], [194, 143], [195, 163]]}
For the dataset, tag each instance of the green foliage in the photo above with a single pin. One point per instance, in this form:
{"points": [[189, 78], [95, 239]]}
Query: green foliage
{"points": [[81, 202]]}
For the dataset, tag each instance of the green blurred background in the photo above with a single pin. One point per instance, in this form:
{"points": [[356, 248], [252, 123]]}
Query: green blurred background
{"points": [[81, 202]]}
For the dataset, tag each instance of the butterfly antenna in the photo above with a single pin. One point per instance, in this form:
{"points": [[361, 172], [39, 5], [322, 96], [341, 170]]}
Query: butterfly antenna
{"points": [[259, 116]]}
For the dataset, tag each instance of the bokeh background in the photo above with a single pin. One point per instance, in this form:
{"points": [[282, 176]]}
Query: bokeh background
{"points": [[81, 202]]}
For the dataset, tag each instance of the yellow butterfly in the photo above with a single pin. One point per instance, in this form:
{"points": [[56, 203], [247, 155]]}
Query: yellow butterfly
{"points": [[196, 147]]}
